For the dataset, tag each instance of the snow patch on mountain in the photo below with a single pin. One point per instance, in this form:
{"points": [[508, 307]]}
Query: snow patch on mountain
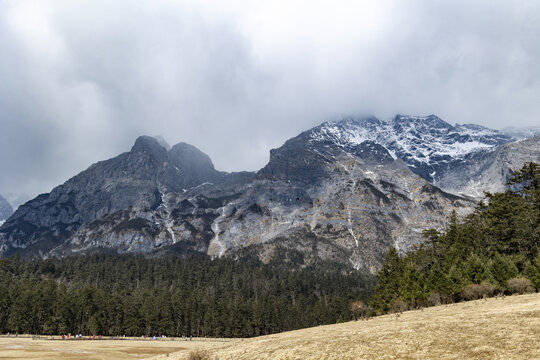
{"points": [[426, 143]]}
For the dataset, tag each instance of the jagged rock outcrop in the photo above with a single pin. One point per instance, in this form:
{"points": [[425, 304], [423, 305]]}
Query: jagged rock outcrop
{"points": [[347, 204], [354, 215]]}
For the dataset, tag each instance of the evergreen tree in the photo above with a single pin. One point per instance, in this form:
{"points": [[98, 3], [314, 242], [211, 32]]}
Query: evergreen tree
{"points": [[475, 269], [387, 289], [532, 272], [502, 269]]}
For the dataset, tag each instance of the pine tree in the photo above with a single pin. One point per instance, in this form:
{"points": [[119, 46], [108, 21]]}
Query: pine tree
{"points": [[532, 272], [502, 269], [389, 281], [475, 269], [411, 288]]}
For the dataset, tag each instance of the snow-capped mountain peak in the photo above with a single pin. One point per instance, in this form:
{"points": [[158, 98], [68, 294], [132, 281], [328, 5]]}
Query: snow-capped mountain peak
{"points": [[425, 143]]}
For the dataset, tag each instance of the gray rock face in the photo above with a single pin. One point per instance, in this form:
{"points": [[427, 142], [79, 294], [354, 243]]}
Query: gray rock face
{"points": [[111, 204], [304, 158], [353, 216], [489, 171], [5, 209]]}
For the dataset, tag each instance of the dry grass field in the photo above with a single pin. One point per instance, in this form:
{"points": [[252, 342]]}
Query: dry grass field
{"points": [[497, 328]]}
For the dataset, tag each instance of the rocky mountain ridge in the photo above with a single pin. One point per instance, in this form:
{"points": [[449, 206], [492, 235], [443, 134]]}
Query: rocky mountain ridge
{"points": [[344, 191], [427, 144]]}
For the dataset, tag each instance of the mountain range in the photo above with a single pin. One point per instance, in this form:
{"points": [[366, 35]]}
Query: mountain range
{"points": [[344, 191]]}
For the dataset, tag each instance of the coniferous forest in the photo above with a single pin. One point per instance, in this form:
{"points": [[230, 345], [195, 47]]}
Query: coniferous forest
{"points": [[173, 296], [492, 251]]}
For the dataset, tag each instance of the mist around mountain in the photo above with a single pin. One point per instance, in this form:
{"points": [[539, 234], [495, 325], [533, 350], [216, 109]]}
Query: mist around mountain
{"points": [[5, 210], [519, 133]]}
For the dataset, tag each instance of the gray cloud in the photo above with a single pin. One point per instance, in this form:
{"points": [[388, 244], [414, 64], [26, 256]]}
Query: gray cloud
{"points": [[81, 79]]}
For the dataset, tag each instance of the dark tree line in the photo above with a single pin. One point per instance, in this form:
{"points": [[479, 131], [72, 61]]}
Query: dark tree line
{"points": [[494, 250], [173, 296]]}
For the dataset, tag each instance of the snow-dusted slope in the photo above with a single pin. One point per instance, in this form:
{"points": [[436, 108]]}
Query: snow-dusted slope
{"points": [[427, 144], [490, 171]]}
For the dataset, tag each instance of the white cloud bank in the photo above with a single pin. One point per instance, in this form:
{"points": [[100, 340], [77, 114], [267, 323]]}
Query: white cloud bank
{"points": [[81, 79]]}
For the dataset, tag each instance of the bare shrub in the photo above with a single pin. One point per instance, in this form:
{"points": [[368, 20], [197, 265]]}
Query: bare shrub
{"points": [[478, 291], [520, 285], [434, 299], [359, 309], [488, 289], [199, 355], [400, 306], [470, 292]]}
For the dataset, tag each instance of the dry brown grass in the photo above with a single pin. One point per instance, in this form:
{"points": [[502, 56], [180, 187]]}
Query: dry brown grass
{"points": [[496, 328]]}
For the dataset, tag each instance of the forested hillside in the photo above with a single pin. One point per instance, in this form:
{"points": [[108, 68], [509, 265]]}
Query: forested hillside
{"points": [[117, 295], [494, 250]]}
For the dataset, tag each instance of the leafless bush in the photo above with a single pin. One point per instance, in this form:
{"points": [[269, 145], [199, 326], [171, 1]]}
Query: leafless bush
{"points": [[359, 309], [520, 285], [436, 298], [400, 306], [478, 291]]}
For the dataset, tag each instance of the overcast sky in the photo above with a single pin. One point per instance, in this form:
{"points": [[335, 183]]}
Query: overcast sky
{"points": [[80, 80]]}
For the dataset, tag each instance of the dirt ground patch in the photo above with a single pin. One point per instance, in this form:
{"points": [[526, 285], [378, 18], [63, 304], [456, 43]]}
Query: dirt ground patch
{"points": [[26, 348], [497, 328]]}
